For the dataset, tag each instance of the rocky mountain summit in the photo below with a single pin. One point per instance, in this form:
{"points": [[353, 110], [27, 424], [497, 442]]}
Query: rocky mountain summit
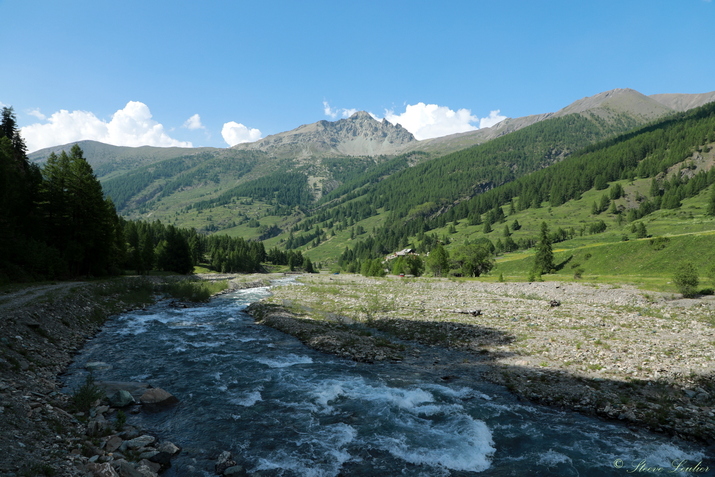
{"points": [[358, 135]]}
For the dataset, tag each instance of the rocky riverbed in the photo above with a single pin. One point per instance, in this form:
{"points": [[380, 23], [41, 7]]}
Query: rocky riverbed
{"points": [[41, 327], [613, 351]]}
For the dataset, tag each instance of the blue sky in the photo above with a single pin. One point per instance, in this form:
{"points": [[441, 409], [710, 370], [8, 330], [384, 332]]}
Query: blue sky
{"points": [[135, 72]]}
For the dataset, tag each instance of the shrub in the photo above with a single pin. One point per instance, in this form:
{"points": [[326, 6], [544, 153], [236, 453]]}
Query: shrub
{"points": [[86, 395], [194, 291], [121, 420], [659, 243], [686, 279]]}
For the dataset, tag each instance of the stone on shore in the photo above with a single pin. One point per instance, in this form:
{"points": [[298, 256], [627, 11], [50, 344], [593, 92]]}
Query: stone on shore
{"points": [[113, 443], [102, 470], [165, 451], [138, 442], [133, 388], [128, 470], [121, 398]]}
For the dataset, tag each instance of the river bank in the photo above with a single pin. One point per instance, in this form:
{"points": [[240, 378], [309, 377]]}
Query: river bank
{"points": [[616, 352], [41, 329]]}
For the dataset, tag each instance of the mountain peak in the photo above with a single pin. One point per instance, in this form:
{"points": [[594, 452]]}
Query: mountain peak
{"points": [[359, 135], [361, 115]]}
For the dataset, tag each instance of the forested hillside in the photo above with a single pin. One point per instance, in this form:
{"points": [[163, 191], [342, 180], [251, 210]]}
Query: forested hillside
{"points": [[413, 196], [627, 179], [332, 162]]}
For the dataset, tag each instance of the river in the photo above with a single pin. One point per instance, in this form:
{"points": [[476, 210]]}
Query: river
{"points": [[283, 409]]}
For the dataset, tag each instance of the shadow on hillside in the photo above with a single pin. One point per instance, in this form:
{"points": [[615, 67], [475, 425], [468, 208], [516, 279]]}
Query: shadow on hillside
{"points": [[561, 265]]}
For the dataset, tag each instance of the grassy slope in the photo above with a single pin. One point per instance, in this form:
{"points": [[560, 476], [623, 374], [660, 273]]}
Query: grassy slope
{"points": [[690, 231], [605, 256]]}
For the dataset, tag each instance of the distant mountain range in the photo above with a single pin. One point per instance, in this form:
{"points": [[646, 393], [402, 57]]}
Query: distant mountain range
{"points": [[362, 135], [333, 159]]}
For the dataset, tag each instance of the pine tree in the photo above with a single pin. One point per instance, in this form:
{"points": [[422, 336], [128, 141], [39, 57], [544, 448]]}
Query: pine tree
{"points": [[173, 253], [641, 231], [544, 260], [438, 260]]}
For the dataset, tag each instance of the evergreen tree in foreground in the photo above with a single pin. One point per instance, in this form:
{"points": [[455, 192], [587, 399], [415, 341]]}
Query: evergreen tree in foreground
{"points": [[80, 222]]}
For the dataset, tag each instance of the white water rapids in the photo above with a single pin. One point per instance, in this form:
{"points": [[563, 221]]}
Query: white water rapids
{"points": [[283, 409]]}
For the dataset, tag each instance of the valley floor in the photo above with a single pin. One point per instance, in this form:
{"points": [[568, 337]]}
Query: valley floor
{"points": [[621, 353]]}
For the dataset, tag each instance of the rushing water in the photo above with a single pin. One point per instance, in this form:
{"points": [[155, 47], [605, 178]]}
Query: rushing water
{"points": [[284, 409]]}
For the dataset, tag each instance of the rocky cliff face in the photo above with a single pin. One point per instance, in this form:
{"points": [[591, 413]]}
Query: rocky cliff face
{"points": [[358, 135]]}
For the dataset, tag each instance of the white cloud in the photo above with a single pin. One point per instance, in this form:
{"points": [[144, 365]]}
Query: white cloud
{"points": [[493, 118], [329, 111], [236, 133], [36, 112], [426, 121], [334, 113], [131, 126], [194, 122]]}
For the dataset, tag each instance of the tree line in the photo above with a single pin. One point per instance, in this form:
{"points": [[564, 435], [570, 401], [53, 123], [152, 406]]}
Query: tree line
{"points": [[56, 223]]}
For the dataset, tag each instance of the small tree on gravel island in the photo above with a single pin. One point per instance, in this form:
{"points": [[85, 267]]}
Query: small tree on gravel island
{"points": [[686, 279]]}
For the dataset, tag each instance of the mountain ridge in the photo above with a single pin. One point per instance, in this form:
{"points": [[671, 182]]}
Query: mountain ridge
{"points": [[348, 157], [605, 105], [362, 135]]}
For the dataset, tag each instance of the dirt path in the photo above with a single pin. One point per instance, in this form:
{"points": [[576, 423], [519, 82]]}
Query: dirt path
{"points": [[16, 299]]}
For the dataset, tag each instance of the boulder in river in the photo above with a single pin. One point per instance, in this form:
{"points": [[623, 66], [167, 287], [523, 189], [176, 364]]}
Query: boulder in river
{"points": [[158, 397], [225, 461], [235, 471]]}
